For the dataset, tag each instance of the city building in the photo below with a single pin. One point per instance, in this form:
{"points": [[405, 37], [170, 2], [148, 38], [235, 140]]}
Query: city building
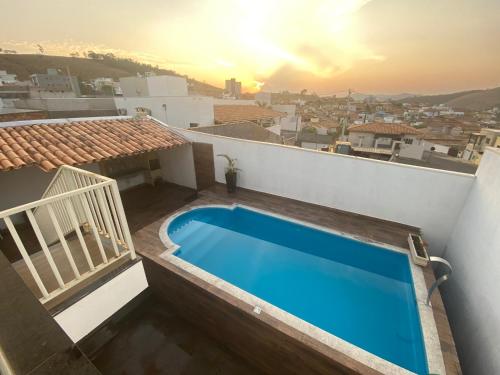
{"points": [[233, 88], [152, 85], [56, 81], [314, 140], [478, 142], [166, 99], [6, 78]]}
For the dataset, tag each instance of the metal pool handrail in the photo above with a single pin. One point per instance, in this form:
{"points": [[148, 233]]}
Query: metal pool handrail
{"points": [[441, 279]]}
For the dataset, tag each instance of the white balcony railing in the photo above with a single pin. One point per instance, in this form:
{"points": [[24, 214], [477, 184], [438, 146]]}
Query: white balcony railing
{"points": [[81, 203]]}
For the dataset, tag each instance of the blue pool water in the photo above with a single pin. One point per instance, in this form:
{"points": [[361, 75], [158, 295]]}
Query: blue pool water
{"points": [[356, 291]]}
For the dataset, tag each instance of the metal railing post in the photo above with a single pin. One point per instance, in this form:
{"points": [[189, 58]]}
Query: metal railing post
{"points": [[441, 279]]}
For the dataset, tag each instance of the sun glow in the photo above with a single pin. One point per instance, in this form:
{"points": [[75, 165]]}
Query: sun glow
{"points": [[251, 40]]}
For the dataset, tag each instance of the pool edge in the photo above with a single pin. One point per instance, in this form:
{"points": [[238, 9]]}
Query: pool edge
{"points": [[432, 346]]}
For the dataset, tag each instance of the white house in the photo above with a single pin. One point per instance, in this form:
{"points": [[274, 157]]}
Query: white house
{"points": [[478, 142], [165, 98], [381, 135], [383, 140], [152, 85]]}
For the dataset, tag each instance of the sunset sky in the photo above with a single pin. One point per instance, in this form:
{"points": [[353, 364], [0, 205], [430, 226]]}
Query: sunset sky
{"points": [[327, 46]]}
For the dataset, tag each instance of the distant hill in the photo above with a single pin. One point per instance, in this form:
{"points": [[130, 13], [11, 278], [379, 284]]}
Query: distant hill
{"points": [[86, 69], [382, 97], [473, 100]]}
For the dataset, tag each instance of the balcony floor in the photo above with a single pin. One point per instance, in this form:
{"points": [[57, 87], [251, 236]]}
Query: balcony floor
{"points": [[151, 339]]}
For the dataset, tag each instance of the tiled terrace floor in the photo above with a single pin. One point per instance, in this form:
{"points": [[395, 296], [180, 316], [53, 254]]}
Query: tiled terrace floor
{"points": [[148, 243]]}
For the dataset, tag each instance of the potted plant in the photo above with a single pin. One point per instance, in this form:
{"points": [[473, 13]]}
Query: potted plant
{"points": [[231, 173]]}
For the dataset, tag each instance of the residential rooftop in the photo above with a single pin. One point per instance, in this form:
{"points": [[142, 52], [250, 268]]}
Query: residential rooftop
{"points": [[242, 130], [384, 128], [235, 113], [50, 145]]}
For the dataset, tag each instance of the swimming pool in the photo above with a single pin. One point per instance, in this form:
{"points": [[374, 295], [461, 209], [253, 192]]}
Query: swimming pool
{"points": [[358, 292]]}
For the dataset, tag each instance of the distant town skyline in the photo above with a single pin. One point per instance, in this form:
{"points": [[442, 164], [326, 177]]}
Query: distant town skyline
{"points": [[325, 46]]}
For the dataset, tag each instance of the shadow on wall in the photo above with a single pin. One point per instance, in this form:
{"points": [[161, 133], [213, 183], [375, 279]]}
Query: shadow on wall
{"points": [[471, 295]]}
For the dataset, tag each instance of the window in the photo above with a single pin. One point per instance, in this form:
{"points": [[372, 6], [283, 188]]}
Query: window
{"points": [[408, 141], [193, 124], [154, 164]]}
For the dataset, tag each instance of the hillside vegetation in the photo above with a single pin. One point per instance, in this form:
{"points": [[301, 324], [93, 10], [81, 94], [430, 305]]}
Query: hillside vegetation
{"points": [[89, 68], [473, 100]]}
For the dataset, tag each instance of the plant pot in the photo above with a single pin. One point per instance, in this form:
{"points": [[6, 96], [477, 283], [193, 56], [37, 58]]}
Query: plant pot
{"points": [[231, 182], [418, 250]]}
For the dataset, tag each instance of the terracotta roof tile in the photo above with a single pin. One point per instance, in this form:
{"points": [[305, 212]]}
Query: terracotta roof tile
{"points": [[237, 113], [384, 128], [79, 142]]}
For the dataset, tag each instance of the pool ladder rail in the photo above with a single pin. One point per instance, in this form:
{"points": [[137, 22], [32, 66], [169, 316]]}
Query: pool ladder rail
{"points": [[441, 279]]}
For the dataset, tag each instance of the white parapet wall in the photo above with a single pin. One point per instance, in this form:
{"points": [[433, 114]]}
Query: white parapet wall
{"points": [[427, 198], [88, 313], [471, 295]]}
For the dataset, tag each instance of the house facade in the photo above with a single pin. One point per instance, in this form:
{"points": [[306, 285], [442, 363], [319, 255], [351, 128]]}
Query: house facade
{"points": [[478, 142], [166, 99], [56, 82], [381, 135]]}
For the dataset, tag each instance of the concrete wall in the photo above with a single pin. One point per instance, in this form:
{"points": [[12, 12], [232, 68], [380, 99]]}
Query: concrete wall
{"points": [[134, 86], [292, 121], [180, 110], [154, 86], [68, 104], [471, 295], [427, 198], [167, 86], [177, 166], [81, 318], [361, 139], [437, 147], [413, 151]]}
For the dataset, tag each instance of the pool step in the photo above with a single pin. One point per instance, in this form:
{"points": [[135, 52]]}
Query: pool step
{"points": [[181, 227]]}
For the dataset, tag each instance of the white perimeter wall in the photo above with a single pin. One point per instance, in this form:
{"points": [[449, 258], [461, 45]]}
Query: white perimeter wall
{"points": [[427, 198], [472, 293], [177, 166], [167, 86], [81, 318]]}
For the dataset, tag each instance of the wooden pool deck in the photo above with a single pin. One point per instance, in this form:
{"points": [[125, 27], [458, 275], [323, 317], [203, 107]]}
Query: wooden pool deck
{"points": [[173, 198]]}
